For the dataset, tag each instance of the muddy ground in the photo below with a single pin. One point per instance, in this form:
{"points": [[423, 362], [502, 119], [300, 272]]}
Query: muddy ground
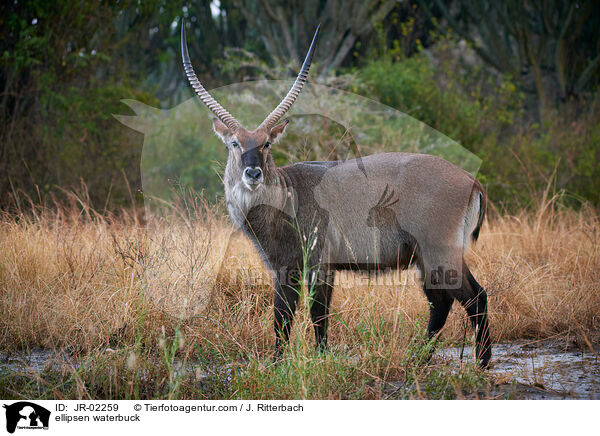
{"points": [[536, 370], [548, 369]]}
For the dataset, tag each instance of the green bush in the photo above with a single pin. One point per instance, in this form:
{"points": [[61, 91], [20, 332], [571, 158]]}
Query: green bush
{"points": [[485, 113]]}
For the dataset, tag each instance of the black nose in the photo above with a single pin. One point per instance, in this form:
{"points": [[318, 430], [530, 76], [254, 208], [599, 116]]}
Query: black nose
{"points": [[253, 173]]}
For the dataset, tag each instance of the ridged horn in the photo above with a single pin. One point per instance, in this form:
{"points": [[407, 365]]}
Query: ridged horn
{"points": [[292, 94], [206, 98]]}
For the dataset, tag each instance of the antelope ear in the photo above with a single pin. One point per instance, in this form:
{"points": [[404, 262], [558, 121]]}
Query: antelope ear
{"points": [[221, 130], [277, 131]]}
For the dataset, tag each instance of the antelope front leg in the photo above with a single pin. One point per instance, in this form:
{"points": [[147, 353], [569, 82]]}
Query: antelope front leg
{"points": [[321, 288], [285, 301]]}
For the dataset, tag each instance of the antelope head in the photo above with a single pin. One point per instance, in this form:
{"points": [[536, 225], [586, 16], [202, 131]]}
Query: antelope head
{"points": [[250, 157]]}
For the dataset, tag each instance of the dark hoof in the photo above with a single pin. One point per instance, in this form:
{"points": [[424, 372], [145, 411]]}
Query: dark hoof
{"points": [[484, 360]]}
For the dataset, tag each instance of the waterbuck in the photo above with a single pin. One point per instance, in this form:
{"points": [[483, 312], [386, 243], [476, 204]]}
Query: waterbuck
{"points": [[377, 212]]}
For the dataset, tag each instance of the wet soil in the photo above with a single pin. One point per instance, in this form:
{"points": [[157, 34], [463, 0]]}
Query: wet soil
{"points": [[546, 369]]}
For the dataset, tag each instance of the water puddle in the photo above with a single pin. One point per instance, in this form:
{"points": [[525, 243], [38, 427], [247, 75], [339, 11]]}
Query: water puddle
{"points": [[538, 370], [34, 361], [38, 360]]}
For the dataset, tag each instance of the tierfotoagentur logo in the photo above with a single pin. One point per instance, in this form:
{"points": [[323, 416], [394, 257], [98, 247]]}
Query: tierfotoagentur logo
{"points": [[24, 415]]}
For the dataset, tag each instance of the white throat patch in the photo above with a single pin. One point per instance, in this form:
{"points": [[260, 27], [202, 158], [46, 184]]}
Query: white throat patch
{"points": [[240, 199]]}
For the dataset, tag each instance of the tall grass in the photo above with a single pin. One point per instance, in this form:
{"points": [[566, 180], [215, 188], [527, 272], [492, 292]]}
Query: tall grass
{"points": [[181, 307]]}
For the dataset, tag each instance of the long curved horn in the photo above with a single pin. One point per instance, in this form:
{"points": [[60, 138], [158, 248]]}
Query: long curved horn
{"points": [[206, 98], [292, 94]]}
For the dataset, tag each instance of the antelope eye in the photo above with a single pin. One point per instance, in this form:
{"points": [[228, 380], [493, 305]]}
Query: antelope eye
{"points": [[267, 144], [235, 144]]}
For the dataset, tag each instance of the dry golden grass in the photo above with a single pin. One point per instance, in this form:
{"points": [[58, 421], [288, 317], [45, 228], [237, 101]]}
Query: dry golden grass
{"points": [[79, 281]]}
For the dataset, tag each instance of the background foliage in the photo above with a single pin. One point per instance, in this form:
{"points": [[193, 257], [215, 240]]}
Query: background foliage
{"points": [[516, 83]]}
